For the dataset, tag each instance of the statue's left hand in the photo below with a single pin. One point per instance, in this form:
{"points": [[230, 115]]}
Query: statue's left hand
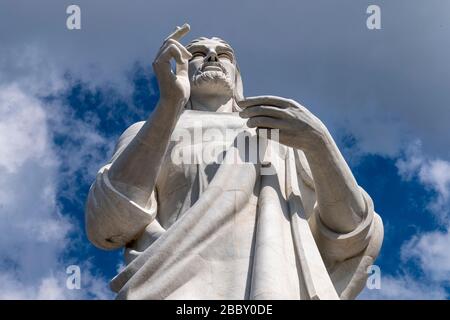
{"points": [[298, 127], [339, 199]]}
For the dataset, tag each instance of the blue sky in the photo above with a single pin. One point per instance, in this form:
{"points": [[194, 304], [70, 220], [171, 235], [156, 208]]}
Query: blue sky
{"points": [[65, 97]]}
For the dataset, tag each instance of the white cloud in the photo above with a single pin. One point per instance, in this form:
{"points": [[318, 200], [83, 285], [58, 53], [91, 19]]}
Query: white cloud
{"points": [[410, 164], [53, 287], [50, 289], [436, 174], [22, 122], [404, 288], [432, 173], [381, 86], [34, 233], [431, 252], [82, 152], [428, 250]]}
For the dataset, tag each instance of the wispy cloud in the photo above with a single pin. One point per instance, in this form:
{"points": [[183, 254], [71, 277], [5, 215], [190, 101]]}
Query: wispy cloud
{"points": [[381, 87], [35, 234], [428, 251], [433, 173], [404, 287]]}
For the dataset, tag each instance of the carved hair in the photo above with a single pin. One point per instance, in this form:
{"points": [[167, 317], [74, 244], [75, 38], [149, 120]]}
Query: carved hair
{"points": [[238, 92]]}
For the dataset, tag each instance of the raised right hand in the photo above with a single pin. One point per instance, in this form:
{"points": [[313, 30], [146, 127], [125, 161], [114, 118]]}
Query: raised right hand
{"points": [[174, 88]]}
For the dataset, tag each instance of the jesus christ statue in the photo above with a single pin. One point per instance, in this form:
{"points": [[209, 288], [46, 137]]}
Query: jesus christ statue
{"points": [[294, 225]]}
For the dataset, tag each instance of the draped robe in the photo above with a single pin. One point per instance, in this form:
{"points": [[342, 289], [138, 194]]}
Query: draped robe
{"points": [[228, 229]]}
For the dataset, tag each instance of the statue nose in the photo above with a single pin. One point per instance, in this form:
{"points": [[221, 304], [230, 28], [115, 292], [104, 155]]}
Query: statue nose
{"points": [[212, 57]]}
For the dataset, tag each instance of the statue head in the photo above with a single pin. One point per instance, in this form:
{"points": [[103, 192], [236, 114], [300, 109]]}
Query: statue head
{"points": [[213, 69]]}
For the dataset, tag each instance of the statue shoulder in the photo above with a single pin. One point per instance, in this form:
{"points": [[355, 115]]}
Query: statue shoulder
{"points": [[126, 137], [132, 130]]}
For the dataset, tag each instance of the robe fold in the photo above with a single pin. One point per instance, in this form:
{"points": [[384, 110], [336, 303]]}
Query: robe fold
{"points": [[230, 229]]}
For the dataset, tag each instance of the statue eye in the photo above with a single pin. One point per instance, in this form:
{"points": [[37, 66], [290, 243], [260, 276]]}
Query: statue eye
{"points": [[198, 54], [225, 56]]}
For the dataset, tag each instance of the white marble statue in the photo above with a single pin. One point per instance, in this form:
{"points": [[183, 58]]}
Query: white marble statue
{"points": [[294, 225]]}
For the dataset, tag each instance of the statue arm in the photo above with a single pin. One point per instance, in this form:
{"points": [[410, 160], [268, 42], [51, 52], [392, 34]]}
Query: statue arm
{"points": [[122, 201], [346, 255], [113, 219], [339, 199], [135, 170]]}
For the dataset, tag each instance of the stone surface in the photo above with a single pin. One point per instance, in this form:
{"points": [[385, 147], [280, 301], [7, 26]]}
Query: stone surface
{"points": [[210, 204]]}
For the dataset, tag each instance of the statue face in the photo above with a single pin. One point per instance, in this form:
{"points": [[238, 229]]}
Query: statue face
{"points": [[212, 69]]}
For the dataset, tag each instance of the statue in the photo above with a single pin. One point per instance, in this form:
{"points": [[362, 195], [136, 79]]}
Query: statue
{"points": [[292, 225]]}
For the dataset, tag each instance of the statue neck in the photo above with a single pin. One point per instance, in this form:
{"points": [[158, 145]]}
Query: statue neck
{"points": [[212, 103]]}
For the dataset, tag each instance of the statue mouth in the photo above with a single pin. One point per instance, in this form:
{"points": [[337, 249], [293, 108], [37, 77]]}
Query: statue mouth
{"points": [[213, 66]]}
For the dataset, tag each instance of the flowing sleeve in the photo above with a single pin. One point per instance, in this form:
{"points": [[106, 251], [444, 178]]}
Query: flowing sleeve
{"points": [[112, 219], [347, 256]]}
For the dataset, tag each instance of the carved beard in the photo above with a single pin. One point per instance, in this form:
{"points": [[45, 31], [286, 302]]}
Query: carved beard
{"points": [[212, 82]]}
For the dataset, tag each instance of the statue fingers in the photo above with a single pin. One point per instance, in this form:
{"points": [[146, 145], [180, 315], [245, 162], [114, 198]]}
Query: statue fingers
{"points": [[179, 32], [186, 54], [169, 52], [267, 122], [266, 100], [173, 38], [262, 110]]}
